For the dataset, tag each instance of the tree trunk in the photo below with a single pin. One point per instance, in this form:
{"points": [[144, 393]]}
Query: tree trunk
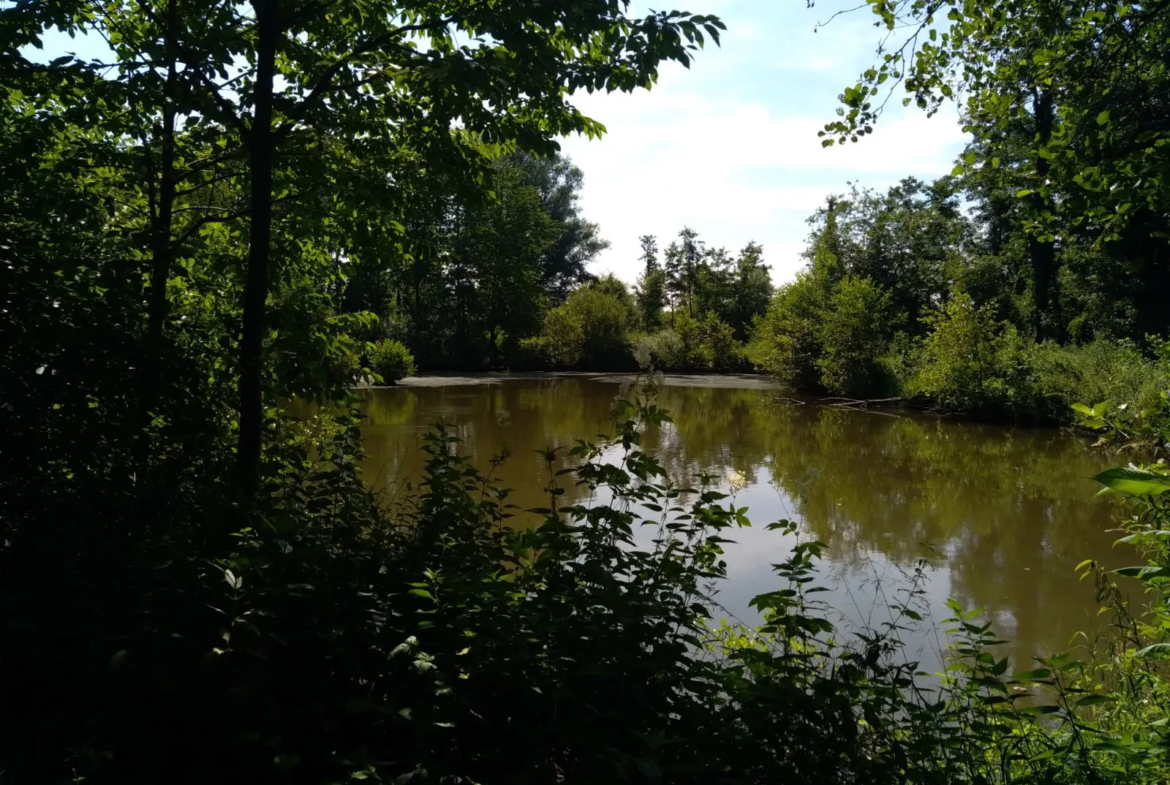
{"points": [[1042, 252], [162, 251], [260, 156]]}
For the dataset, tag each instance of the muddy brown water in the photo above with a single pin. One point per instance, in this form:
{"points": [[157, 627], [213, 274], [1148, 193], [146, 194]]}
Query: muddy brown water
{"points": [[1000, 516]]}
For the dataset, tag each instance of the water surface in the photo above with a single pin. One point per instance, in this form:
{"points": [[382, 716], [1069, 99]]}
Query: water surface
{"points": [[1001, 516]]}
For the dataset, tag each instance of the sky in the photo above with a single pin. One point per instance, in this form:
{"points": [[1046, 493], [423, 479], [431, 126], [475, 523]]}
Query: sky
{"points": [[730, 147]]}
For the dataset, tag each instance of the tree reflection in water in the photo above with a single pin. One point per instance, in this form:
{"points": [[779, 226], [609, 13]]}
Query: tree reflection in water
{"points": [[1001, 515]]}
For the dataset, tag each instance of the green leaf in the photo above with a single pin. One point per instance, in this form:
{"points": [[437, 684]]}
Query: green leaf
{"points": [[1158, 651], [1048, 708], [1144, 573], [1134, 481], [1093, 700]]}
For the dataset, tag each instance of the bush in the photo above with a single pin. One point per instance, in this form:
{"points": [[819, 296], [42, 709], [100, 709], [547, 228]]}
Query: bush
{"points": [[662, 350], [589, 332], [391, 361], [692, 346], [787, 340], [709, 344], [854, 333], [333, 642], [973, 364], [1104, 370]]}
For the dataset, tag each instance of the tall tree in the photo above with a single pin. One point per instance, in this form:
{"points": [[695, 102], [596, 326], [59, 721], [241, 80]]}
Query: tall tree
{"points": [[683, 259], [578, 242], [651, 290], [388, 73], [1065, 74]]}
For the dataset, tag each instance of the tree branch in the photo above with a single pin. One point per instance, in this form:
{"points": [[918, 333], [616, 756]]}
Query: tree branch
{"points": [[316, 94]]}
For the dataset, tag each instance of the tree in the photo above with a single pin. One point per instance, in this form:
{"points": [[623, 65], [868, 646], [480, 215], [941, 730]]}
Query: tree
{"points": [[497, 265], [651, 289], [854, 332], [911, 241], [738, 291], [683, 260], [288, 78], [1058, 79], [589, 331], [559, 184]]}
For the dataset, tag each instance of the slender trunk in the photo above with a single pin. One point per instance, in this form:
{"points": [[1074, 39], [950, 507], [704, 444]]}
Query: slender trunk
{"points": [[162, 250], [260, 155], [1042, 252]]}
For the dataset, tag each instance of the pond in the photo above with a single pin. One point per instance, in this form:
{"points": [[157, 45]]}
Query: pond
{"points": [[1000, 516]]}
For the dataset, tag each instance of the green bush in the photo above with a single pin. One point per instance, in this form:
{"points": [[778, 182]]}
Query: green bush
{"points": [[1104, 370], [662, 350], [589, 332], [391, 361], [335, 642], [973, 364], [819, 336], [787, 339], [692, 346], [709, 344], [1131, 406], [854, 333]]}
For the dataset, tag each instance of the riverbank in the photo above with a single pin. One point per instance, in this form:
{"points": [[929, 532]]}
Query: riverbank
{"points": [[738, 381]]}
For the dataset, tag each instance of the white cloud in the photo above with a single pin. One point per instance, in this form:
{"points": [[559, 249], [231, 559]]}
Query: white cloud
{"points": [[731, 149]]}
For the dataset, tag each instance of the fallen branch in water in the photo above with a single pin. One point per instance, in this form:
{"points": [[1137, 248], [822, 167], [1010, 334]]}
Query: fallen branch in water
{"points": [[784, 400], [858, 403]]}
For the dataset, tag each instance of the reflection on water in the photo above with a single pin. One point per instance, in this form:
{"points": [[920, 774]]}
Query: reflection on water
{"points": [[1002, 516]]}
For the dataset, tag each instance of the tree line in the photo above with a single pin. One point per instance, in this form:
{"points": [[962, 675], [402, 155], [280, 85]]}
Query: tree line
{"points": [[502, 283]]}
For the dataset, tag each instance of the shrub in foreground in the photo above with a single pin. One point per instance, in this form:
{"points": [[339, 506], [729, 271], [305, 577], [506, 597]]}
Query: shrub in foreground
{"points": [[452, 640]]}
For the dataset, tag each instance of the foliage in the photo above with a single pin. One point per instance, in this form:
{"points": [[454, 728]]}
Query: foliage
{"points": [[423, 638], [786, 341], [1066, 142], [662, 351], [700, 280], [915, 246], [1100, 371], [558, 183], [970, 362], [737, 292], [708, 344], [693, 345], [391, 361], [590, 331], [854, 332], [1135, 410], [651, 289]]}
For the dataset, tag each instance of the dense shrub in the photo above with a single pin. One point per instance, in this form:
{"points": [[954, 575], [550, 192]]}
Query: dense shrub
{"points": [[662, 350], [391, 361], [1141, 420], [692, 346], [787, 340], [972, 363], [333, 642], [589, 332], [854, 333], [1104, 370], [708, 344], [840, 339]]}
